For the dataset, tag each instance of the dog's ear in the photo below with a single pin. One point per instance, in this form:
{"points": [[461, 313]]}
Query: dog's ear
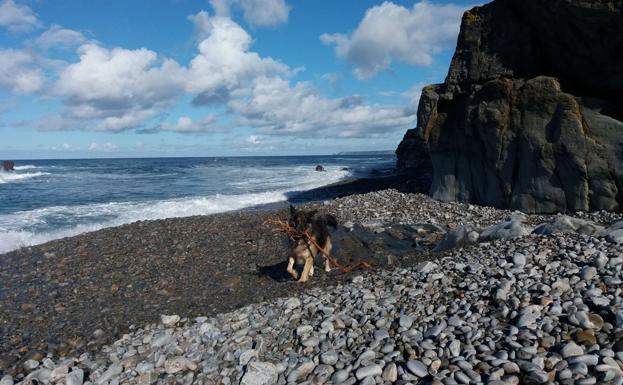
{"points": [[331, 220], [292, 211]]}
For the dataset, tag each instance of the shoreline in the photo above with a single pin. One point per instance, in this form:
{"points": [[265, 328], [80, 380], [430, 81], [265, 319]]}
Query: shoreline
{"points": [[349, 186]]}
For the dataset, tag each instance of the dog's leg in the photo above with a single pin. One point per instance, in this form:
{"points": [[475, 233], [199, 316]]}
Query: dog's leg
{"points": [[311, 271], [290, 268], [327, 251], [309, 263]]}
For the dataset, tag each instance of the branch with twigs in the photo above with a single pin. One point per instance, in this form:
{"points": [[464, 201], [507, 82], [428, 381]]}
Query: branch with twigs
{"points": [[295, 235]]}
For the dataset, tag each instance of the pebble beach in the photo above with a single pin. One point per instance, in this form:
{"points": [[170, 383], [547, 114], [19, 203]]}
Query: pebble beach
{"points": [[200, 300], [166, 165]]}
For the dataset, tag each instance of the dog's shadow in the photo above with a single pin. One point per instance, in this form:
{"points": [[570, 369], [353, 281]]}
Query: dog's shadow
{"points": [[276, 272]]}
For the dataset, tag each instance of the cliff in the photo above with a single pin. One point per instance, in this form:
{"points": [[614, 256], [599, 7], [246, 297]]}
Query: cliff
{"points": [[530, 115]]}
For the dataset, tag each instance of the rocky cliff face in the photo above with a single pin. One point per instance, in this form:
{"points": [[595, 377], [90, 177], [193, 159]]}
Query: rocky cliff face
{"points": [[530, 116]]}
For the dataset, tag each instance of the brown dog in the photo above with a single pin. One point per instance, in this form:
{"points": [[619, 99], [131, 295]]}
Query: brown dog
{"points": [[304, 251]]}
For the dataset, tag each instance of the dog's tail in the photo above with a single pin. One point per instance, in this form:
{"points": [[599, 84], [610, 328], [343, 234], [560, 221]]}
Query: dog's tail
{"points": [[331, 220]]}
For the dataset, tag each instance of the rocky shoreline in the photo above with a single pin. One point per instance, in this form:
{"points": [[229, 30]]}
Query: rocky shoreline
{"points": [[492, 306]]}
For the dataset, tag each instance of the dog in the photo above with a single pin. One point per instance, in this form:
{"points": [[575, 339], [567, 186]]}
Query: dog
{"points": [[304, 251]]}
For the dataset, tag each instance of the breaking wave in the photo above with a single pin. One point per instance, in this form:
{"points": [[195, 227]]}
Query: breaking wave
{"points": [[25, 167], [7, 177], [33, 227]]}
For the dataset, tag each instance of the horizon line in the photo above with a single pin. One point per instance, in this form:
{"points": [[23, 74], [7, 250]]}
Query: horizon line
{"points": [[359, 153]]}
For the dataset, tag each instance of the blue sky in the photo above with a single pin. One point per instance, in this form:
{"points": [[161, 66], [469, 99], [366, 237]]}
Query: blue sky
{"points": [[216, 78]]}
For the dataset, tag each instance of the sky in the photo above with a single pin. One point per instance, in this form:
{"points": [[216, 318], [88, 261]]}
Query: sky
{"points": [[149, 78]]}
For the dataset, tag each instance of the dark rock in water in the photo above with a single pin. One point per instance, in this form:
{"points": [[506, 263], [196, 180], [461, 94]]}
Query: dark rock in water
{"points": [[345, 169], [8, 165], [320, 168], [530, 116]]}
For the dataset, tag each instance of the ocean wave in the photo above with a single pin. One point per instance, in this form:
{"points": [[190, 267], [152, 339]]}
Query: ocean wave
{"points": [[279, 178], [6, 177], [28, 228], [25, 167], [115, 214]]}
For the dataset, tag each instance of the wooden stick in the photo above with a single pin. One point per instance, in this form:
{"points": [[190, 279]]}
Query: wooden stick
{"points": [[293, 235]]}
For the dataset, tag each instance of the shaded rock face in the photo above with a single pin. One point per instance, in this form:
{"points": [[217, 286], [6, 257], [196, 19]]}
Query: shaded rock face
{"points": [[530, 116], [412, 152]]}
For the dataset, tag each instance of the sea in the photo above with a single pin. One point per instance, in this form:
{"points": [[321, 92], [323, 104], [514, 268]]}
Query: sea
{"points": [[44, 200]]}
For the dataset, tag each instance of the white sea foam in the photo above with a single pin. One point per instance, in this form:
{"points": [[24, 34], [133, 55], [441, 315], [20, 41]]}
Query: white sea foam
{"points": [[25, 167], [7, 177], [27, 228]]}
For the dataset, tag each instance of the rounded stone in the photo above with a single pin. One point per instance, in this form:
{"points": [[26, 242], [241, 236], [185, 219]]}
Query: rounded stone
{"points": [[390, 373], [417, 368], [259, 373], [368, 371], [340, 376], [571, 349], [329, 358], [311, 342]]}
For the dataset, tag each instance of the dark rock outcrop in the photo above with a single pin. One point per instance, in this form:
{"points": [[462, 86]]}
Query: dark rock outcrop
{"points": [[8, 165], [411, 153], [319, 168], [530, 116]]}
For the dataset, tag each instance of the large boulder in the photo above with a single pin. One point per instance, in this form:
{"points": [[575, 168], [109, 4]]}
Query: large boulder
{"points": [[513, 227], [457, 238], [8, 165], [530, 116], [564, 224]]}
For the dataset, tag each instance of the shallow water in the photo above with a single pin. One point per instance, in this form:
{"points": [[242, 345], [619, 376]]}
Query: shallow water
{"points": [[49, 199]]}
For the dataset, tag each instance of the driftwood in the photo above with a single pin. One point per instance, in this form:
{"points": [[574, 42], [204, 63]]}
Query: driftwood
{"points": [[294, 235]]}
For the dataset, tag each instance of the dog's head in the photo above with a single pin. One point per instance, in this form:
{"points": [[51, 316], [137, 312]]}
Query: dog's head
{"points": [[301, 220]]}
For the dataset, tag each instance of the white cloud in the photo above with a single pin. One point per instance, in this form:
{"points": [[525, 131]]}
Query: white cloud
{"points": [[264, 13], [186, 125], [121, 88], [333, 79], [62, 147], [276, 107], [224, 62], [391, 32], [413, 93], [117, 89], [123, 119], [17, 18], [59, 37], [222, 7], [106, 147], [19, 71]]}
